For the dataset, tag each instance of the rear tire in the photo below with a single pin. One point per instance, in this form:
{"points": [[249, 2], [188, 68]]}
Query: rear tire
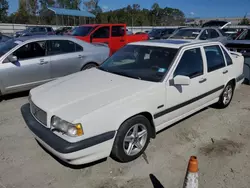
{"points": [[226, 96], [132, 139], [88, 66]]}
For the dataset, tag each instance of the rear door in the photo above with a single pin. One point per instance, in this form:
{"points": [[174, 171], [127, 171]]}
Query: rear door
{"points": [[31, 69], [118, 36], [66, 57], [216, 75]]}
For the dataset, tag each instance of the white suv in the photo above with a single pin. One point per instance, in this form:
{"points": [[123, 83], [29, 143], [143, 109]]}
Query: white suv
{"points": [[143, 88]]}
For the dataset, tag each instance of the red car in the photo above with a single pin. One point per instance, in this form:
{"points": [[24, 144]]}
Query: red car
{"points": [[115, 35]]}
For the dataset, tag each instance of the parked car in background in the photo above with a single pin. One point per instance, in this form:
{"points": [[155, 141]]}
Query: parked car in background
{"points": [[161, 33], [62, 30], [35, 30], [27, 62], [220, 24], [244, 35], [117, 108], [242, 45], [206, 33], [115, 35], [4, 38]]}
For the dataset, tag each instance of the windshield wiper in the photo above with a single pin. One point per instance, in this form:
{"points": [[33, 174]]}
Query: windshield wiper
{"points": [[127, 75]]}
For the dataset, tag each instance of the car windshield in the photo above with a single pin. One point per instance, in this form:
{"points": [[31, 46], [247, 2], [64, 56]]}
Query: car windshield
{"points": [[155, 32], [8, 45], [82, 30], [147, 63], [186, 34]]}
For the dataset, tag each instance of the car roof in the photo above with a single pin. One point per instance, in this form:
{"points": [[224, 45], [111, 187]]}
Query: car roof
{"points": [[171, 43], [44, 37]]}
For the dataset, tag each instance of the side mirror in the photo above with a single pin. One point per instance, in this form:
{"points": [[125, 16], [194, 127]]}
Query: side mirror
{"points": [[181, 80], [12, 58], [91, 38]]}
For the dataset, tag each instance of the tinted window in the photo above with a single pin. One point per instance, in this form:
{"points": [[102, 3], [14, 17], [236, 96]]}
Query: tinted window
{"points": [[228, 58], [117, 31], [204, 35], [31, 50], [191, 64], [61, 47], [33, 29], [41, 29], [102, 32], [49, 29], [78, 48], [140, 62], [244, 36], [82, 30], [213, 33], [215, 59]]}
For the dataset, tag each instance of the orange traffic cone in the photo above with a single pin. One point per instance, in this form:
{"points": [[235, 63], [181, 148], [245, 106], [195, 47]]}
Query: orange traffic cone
{"points": [[191, 179]]}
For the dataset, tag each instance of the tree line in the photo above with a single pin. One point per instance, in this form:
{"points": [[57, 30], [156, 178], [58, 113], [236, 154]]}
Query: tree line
{"points": [[29, 12]]}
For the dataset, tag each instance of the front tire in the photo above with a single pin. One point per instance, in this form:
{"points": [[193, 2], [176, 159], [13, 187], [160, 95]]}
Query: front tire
{"points": [[132, 139], [226, 96]]}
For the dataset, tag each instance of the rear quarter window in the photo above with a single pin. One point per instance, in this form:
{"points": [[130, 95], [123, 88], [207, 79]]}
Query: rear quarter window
{"points": [[228, 58]]}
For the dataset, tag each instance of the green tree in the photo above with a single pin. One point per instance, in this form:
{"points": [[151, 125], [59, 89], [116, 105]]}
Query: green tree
{"points": [[47, 3], [4, 6], [244, 21], [93, 6]]}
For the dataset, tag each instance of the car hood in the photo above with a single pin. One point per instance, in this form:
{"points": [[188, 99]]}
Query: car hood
{"points": [[76, 95]]}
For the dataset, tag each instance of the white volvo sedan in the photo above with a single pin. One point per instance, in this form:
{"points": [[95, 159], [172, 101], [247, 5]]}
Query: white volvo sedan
{"points": [[115, 109]]}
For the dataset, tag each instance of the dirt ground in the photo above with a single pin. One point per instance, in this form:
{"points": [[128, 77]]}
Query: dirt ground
{"points": [[219, 138]]}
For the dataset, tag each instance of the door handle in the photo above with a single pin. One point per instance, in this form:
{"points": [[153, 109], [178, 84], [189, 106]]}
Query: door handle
{"points": [[42, 62], [80, 56], [202, 80], [225, 72], [122, 40]]}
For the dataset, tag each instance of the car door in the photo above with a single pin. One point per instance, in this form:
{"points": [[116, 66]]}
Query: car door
{"points": [[182, 99], [102, 34], [31, 69], [217, 71], [117, 38], [66, 57]]}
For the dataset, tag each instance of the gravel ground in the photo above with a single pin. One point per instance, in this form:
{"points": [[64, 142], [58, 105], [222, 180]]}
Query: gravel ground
{"points": [[219, 138]]}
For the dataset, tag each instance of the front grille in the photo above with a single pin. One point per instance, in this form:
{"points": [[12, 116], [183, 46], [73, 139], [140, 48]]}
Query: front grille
{"points": [[38, 113]]}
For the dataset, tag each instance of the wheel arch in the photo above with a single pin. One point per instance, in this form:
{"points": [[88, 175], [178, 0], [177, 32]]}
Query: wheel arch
{"points": [[147, 115], [88, 63]]}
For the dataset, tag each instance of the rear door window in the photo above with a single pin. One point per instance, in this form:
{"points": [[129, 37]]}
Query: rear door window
{"points": [[58, 47], [213, 33], [228, 58], [215, 58], [118, 31]]}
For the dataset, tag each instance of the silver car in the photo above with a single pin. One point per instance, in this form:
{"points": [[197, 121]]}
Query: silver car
{"points": [[27, 62], [205, 33]]}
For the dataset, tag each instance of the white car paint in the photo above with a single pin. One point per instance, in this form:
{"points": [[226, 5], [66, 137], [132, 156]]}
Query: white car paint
{"points": [[102, 101]]}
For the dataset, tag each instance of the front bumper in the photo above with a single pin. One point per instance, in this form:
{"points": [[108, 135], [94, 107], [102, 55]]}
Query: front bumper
{"points": [[81, 152]]}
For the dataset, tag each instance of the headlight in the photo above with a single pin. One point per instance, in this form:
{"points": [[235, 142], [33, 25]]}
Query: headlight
{"points": [[66, 127]]}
